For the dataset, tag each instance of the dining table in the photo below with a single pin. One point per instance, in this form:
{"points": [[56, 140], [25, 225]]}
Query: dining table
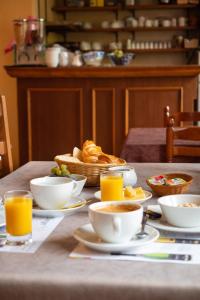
{"points": [[50, 274]]}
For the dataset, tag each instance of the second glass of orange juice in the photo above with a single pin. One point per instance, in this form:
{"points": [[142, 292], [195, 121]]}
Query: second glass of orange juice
{"points": [[111, 185], [18, 213]]}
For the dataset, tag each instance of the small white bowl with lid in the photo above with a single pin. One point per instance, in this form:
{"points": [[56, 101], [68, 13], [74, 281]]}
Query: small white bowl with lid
{"points": [[129, 174]]}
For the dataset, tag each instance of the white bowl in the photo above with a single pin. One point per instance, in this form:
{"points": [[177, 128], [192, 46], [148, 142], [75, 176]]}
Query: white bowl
{"points": [[178, 215], [53, 192]]}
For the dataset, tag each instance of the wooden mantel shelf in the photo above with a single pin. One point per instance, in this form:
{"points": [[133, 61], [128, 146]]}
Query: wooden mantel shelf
{"points": [[103, 72]]}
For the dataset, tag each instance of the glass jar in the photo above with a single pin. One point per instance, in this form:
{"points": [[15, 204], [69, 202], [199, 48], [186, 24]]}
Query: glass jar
{"points": [[130, 2], [20, 27], [34, 32], [30, 40]]}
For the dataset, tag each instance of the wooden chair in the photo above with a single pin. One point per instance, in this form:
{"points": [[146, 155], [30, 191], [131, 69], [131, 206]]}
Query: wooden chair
{"points": [[6, 162], [182, 135]]}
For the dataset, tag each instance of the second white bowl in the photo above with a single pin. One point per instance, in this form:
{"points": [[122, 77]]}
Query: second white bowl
{"points": [[178, 215]]}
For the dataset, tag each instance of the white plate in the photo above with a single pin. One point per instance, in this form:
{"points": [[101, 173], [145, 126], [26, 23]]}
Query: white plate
{"points": [[39, 212], [86, 235], [163, 225], [148, 195]]}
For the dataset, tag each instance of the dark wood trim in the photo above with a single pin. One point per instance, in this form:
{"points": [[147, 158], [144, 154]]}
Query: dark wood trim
{"points": [[103, 72]]}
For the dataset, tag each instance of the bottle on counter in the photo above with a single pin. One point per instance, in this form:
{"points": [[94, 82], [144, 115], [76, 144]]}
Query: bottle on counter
{"points": [[130, 2], [59, 3], [110, 2], [100, 3], [75, 3], [93, 3]]}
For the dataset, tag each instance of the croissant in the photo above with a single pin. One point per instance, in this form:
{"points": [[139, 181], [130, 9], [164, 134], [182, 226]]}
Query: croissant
{"points": [[108, 159], [90, 152]]}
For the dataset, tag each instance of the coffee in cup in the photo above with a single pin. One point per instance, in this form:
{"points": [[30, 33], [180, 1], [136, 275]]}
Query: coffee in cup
{"points": [[117, 208], [116, 221]]}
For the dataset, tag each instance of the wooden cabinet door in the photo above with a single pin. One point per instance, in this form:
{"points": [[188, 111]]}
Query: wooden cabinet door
{"points": [[55, 121], [103, 122], [144, 106]]}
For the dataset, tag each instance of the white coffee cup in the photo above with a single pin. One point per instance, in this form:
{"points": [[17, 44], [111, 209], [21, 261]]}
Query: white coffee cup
{"points": [[87, 25], [129, 174], [166, 23], [53, 192], [116, 227], [63, 58], [80, 181], [148, 23], [85, 46], [105, 24], [97, 46], [52, 57]]}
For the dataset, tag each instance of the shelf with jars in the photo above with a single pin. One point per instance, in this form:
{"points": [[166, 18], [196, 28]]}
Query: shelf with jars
{"points": [[64, 9], [60, 27], [187, 24]]}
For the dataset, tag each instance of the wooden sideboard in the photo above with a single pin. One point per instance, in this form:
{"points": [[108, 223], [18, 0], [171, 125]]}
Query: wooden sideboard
{"points": [[59, 108]]}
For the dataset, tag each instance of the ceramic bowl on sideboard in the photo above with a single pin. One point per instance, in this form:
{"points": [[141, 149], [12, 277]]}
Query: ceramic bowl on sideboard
{"points": [[93, 58], [181, 210], [123, 60]]}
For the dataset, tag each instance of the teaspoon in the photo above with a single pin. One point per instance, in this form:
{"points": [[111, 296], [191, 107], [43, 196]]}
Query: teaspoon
{"points": [[142, 234]]}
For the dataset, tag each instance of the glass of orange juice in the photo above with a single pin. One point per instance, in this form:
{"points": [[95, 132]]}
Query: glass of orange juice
{"points": [[111, 185], [18, 213]]}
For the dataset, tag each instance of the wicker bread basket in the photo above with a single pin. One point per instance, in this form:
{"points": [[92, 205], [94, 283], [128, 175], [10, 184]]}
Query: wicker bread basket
{"points": [[91, 171], [162, 190]]}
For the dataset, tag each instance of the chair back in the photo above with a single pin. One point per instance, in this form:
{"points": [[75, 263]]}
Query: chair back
{"points": [[6, 162], [182, 139]]}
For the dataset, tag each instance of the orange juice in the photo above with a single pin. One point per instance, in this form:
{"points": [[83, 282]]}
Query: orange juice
{"points": [[18, 211], [111, 188]]}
